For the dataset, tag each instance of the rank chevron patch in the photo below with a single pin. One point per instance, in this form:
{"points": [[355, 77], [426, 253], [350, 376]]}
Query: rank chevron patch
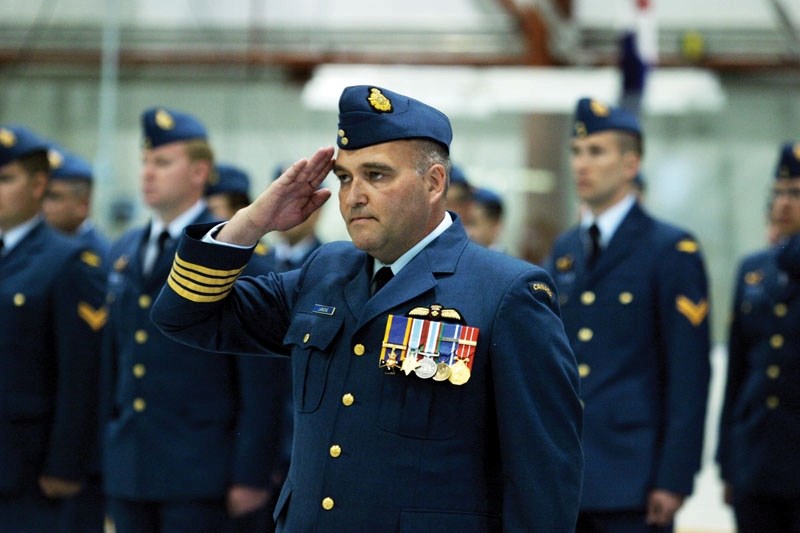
{"points": [[95, 318], [695, 313]]}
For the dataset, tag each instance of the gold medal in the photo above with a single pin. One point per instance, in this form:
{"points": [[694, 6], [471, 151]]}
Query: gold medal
{"points": [[442, 372], [459, 373]]}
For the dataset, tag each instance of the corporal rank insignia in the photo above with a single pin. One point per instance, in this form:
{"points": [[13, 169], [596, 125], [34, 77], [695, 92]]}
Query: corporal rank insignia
{"points": [[95, 318], [430, 349], [436, 312], [695, 313], [379, 101]]}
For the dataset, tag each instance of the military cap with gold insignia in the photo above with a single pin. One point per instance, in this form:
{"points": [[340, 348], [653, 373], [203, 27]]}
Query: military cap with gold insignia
{"points": [[229, 179], [17, 142], [371, 115], [163, 126], [593, 116], [789, 161], [66, 165]]}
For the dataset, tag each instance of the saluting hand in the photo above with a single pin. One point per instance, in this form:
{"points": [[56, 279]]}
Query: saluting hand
{"points": [[662, 506], [287, 202], [54, 487]]}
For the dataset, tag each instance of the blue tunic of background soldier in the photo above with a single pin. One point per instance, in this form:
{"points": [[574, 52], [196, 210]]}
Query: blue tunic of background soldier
{"points": [[635, 303], [760, 424], [186, 439], [482, 433], [67, 202], [228, 192], [51, 316]]}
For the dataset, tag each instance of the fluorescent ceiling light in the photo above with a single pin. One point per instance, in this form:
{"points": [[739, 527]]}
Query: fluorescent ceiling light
{"points": [[473, 91]]}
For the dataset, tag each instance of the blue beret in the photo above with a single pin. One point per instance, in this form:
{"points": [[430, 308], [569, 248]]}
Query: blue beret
{"points": [[372, 115], [592, 116], [487, 197], [458, 177], [789, 161], [17, 142], [228, 178], [163, 126], [66, 165]]}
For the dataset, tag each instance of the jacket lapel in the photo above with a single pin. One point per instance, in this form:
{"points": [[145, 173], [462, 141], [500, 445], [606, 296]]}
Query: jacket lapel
{"points": [[625, 241]]}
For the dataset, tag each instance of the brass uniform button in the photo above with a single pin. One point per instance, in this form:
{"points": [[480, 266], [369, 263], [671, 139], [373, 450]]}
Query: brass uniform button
{"points": [[773, 402], [584, 370], [348, 399], [306, 337], [780, 310], [139, 370], [773, 371], [776, 341], [19, 299], [140, 336], [588, 298], [585, 334], [625, 298], [139, 405], [327, 503], [335, 450], [359, 349], [145, 301]]}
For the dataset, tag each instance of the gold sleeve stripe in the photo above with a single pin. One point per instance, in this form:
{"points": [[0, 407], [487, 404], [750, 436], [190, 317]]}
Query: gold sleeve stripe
{"points": [[200, 288], [95, 318], [205, 270], [192, 296], [695, 313], [205, 280]]}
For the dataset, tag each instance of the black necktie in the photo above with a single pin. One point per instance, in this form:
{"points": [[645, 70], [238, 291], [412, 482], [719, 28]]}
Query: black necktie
{"points": [[163, 237], [381, 278], [594, 253]]}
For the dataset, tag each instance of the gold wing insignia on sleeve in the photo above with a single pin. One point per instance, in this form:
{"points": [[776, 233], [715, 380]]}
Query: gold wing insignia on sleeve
{"points": [[695, 313], [538, 286], [95, 318]]}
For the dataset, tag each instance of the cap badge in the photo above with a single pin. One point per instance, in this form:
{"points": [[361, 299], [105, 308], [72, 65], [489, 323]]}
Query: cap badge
{"points": [[796, 151], [7, 138], [54, 158], [580, 129], [164, 120], [378, 101], [599, 109]]}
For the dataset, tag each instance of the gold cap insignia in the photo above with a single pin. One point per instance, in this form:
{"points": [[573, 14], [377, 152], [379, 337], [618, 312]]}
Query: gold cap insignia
{"points": [[796, 151], [580, 129], [599, 108], [121, 263], [7, 138], [55, 158], [695, 313], [164, 120], [436, 312], [91, 258], [95, 318], [564, 263], [754, 277], [378, 101], [538, 286], [688, 246]]}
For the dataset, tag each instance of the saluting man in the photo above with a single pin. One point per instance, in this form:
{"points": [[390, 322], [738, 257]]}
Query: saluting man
{"points": [[186, 444], [426, 398], [760, 425], [634, 298], [51, 317]]}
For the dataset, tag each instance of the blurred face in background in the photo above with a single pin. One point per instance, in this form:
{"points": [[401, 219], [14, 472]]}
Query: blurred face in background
{"points": [[603, 169], [66, 204], [171, 181], [785, 207], [20, 194]]}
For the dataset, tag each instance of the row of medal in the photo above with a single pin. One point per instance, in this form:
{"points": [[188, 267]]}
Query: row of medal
{"points": [[437, 350]]}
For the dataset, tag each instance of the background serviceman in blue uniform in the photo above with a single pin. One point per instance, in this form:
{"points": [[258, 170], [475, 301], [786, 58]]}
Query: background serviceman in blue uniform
{"points": [[491, 440], [51, 316], [760, 424], [635, 303], [68, 200], [185, 440]]}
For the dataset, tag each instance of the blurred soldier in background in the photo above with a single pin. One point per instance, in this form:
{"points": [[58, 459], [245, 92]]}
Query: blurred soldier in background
{"points": [[459, 194], [185, 440], [228, 191], [634, 298], [51, 315], [485, 221], [760, 425], [67, 201]]}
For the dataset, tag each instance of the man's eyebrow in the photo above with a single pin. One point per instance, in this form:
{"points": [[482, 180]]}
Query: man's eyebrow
{"points": [[366, 166]]}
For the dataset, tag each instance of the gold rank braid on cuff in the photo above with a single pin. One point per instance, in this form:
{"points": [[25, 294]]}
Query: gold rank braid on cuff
{"points": [[198, 283]]}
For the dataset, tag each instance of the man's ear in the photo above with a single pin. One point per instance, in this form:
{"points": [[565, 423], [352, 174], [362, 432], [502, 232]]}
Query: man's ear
{"points": [[39, 183], [631, 163], [437, 179], [201, 170]]}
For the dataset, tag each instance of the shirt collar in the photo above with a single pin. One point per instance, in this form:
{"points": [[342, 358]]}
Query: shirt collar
{"points": [[175, 228], [286, 252], [610, 219], [12, 237], [406, 258]]}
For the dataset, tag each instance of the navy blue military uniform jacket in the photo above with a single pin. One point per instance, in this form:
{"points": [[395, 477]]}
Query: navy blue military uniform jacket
{"points": [[179, 422], [375, 451], [51, 316], [638, 326], [760, 424]]}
